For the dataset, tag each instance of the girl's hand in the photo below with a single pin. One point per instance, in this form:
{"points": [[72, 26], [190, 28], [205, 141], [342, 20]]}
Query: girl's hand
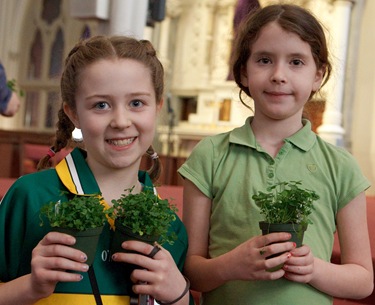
{"points": [[158, 276], [50, 258], [300, 266], [250, 260]]}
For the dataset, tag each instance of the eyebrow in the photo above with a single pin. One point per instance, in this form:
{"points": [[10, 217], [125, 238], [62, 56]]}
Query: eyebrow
{"points": [[107, 96], [267, 53]]}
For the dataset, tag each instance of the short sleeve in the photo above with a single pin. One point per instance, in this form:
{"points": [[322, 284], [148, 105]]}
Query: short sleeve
{"points": [[12, 229], [353, 182], [20, 223], [198, 168]]}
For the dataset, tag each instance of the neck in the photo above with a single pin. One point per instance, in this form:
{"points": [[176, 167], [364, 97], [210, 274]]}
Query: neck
{"points": [[113, 183], [270, 134]]}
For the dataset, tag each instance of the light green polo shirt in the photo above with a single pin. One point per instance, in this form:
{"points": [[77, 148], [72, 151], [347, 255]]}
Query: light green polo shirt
{"points": [[231, 167]]}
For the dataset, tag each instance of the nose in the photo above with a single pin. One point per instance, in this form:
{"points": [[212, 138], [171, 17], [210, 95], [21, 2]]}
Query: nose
{"points": [[278, 74], [121, 119]]}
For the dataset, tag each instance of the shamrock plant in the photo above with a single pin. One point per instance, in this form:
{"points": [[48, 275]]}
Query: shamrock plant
{"points": [[13, 87], [286, 202], [146, 214], [80, 213]]}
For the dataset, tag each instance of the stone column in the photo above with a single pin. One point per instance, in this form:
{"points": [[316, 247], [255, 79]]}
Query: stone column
{"points": [[331, 129], [222, 36], [193, 39], [128, 17], [164, 41]]}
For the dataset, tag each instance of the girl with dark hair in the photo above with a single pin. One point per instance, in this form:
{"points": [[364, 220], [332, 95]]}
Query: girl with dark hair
{"points": [[280, 60]]}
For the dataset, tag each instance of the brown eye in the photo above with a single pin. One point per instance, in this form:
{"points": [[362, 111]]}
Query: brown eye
{"points": [[264, 60], [297, 62]]}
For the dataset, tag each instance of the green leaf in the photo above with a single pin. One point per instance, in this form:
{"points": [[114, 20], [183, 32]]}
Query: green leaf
{"points": [[145, 213], [286, 202], [13, 87], [80, 213]]}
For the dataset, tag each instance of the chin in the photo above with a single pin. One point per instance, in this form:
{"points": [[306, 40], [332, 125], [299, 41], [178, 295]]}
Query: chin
{"points": [[125, 163]]}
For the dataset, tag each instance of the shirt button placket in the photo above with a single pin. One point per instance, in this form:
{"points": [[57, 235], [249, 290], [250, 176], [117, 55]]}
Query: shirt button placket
{"points": [[270, 172]]}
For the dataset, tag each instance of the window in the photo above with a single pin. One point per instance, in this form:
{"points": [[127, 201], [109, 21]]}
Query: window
{"points": [[51, 32]]}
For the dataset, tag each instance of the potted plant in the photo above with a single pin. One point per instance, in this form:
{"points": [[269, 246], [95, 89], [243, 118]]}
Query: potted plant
{"points": [[82, 217], [286, 208], [143, 216]]}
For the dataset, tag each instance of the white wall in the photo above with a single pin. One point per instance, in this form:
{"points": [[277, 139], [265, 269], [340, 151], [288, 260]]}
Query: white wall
{"points": [[363, 127]]}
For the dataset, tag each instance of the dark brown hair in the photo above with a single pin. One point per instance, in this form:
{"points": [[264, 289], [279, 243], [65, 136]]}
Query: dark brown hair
{"points": [[291, 18], [87, 52]]}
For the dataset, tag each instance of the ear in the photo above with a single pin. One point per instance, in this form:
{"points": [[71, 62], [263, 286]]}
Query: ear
{"points": [[318, 79], [72, 115], [159, 106], [244, 79]]}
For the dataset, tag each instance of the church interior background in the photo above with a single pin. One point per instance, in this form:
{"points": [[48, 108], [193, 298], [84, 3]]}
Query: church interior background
{"points": [[193, 40]]}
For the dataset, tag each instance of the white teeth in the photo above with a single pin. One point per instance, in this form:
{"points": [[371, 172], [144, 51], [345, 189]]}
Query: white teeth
{"points": [[121, 142]]}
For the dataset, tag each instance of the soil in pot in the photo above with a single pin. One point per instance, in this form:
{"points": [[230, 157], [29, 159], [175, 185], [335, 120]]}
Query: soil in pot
{"points": [[297, 232], [86, 241]]}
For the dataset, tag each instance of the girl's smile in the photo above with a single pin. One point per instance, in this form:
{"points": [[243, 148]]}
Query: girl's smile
{"points": [[121, 142]]}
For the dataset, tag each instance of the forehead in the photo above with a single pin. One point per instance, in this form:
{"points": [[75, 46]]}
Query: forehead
{"points": [[115, 69], [117, 64], [116, 77], [272, 37]]}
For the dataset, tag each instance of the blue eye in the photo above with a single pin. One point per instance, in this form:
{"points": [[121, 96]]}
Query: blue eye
{"points": [[136, 103], [101, 105]]}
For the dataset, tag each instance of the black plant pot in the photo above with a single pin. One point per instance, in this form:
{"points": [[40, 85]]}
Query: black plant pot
{"points": [[297, 232], [123, 233], [86, 241]]}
